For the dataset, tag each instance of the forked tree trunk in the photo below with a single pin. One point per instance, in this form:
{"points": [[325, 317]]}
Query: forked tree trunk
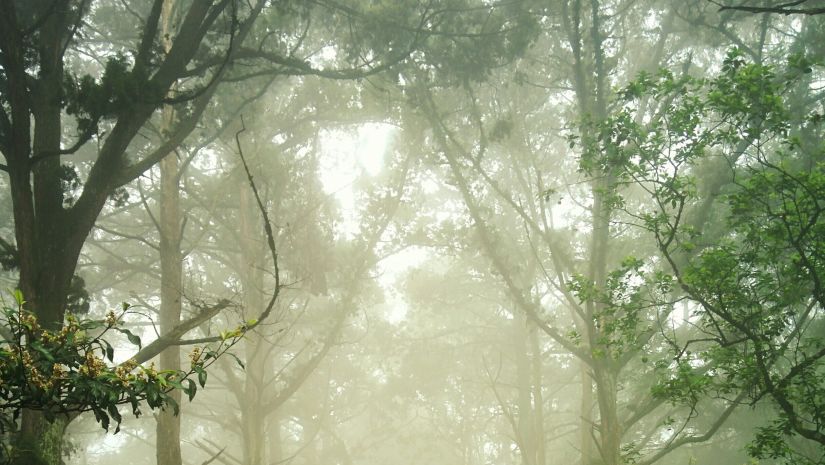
{"points": [[583, 24]]}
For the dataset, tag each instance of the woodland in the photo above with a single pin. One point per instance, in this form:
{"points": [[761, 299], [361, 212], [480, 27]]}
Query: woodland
{"points": [[373, 232]]}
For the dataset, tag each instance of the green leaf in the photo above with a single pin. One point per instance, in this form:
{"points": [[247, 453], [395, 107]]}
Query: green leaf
{"points": [[202, 377], [237, 360], [18, 297], [134, 339], [110, 351], [191, 389], [36, 345]]}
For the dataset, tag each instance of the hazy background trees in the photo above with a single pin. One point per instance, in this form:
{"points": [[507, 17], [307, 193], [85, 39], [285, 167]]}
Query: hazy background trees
{"points": [[497, 241]]}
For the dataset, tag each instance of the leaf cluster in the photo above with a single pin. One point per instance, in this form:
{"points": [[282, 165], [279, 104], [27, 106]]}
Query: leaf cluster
{"points": [[65, 372], [756, 286], [627, 305], [119, 88]]}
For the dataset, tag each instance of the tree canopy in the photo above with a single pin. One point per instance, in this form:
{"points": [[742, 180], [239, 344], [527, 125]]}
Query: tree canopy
{"points": [[451, 231]]}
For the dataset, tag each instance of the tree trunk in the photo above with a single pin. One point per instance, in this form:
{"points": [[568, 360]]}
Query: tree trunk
{"points": [[254, 418], [40, 441], [171, 264], [586, 415], [274, 440], [46, 264], [590, 82], [168, 424], [604, 374], [610, 431], [525, 433], [538, 397]]}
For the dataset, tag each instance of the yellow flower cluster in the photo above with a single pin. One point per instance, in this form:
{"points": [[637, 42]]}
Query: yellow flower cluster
{"points": [[71, 326], [124, 371], [94, 365], [29, 320], [111, 319], [195, 356], [36, 378], [151, 372], [58, 372]]}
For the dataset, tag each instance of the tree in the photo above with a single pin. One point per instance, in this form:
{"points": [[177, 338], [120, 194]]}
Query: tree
{"points": [[493, 141], [755, 286], [56, 103], [510, 175]]}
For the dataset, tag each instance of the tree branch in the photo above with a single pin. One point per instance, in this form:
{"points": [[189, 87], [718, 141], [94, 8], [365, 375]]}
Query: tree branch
{"points": [[174, 335], [675, 444], [783, 9]]}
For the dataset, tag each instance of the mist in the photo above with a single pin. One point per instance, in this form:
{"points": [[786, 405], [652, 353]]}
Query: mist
{"points": [[292, 232]]}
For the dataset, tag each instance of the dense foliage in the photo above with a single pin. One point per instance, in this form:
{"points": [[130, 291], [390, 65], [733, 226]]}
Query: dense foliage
{"points": [[72, 370], [459, 231], [754, 279]]}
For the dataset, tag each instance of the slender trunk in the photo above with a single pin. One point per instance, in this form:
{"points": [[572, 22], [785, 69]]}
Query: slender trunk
{"points": [[525, 433], [168, 450], [604, 369], [586, 414], [274, 440], [604, 374], [254, 419], [538, 397], [591, 91], [609, 426], [168, 424]]}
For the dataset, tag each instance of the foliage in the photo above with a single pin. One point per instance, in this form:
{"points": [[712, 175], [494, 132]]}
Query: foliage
{"points": [[756, 286], [629, 298], [72, 370]]}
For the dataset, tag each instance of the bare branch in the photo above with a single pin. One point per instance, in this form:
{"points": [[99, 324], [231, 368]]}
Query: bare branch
{"points": [[783, 9]]}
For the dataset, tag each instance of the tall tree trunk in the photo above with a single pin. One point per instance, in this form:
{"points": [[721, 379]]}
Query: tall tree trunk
{"points": [[586, 414], [525, 433], [604, 369], [40, 440], [609, 427], [171, 264], [274, 439], [538, 397], [590, 83], [45, 273], [168, 424], [254, 418]]}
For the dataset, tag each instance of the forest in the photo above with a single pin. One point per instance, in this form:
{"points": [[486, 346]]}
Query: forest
{"points": [[402, 232]]}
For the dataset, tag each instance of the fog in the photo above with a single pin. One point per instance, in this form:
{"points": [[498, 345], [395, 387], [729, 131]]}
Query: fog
{"points": [[514, 232]]}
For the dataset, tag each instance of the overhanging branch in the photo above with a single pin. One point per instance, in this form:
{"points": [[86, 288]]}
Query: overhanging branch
{"points": [[783, 9]]}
